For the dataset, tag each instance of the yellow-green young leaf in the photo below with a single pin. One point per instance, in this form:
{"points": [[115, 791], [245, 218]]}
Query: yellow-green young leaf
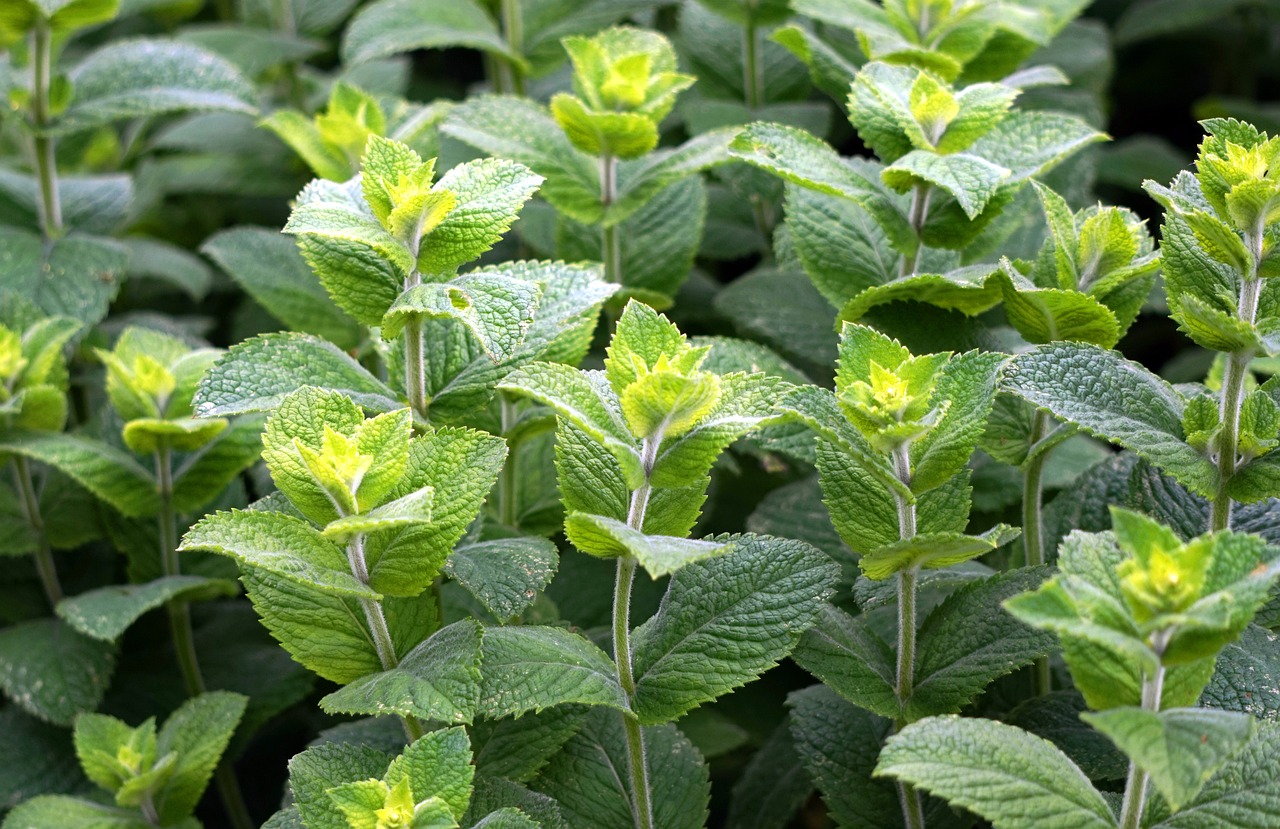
{"points": [[527, 668], [980, 107], [643, 335], [107, 612], [880, 110], [1179, 748], [390, 170], [497, 309], [141, 78], [323, 154], [52, 672], [385, 439], [411, 510], [362, 802], [584, 780], [321, 768], [42, 347], [437, 765], [1001, 773], [299, 425], [198, 732], [623, 135], [279, 544], [111, 752], [726, 620], [186, 434], [438, 680], [667, 403], [658, 555]]}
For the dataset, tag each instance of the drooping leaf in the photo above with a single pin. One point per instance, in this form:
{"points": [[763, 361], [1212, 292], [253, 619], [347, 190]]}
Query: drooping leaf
{"points": [[110, 474], [107, 612]]}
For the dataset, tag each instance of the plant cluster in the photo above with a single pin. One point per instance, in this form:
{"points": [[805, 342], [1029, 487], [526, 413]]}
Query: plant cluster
{"points": [[713, 418]]}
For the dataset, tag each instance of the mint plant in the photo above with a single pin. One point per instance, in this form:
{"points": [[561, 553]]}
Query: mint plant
{"points": [[1141, 616]]}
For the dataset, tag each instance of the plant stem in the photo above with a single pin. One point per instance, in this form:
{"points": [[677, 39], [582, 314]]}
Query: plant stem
{"points": [[415, 371], [641, 805], [611, 242], [376, 620], [508, 78], [912, 808], [920, 196], [1233, 392], [508, 482], [1033, 527], [1135, 787], [49, 206], [31, 512], [752, 66], [184, 643]]}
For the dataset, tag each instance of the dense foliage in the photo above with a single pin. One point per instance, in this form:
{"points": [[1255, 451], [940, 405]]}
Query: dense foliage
{"points": [[639, 414]]}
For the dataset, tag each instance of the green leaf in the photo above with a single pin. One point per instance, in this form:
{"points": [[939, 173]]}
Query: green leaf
{"points": [[256, 374], [63, 812], [1010, 777], [389, 27], [970, 290], [281, 544], [509, 818], [591, 780], [517, 747], [933, 551], [77, 275], [269, 268], [839, 744], [1180, 748], [800, 158], [659, 555], [108, 473], [438, 680], [489, 193], [1113, 399], [640, 181], [1043, 315], [1246, 677], [725, 621], [203, 475], [107, 612], [320, 768], [968, 382], [1031, 143], [61, 15], [437, 765], [495, 793], [407, 511], [971, 180], [37, 758], [53, 672], [497, 309], [818, 409], [969, 641], [773, 787], [533, 668], [506, 574], [141, 78], [198, 732], [1244, 794], [851, 658]]}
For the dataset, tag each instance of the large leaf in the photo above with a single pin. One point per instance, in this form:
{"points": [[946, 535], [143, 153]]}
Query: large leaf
{"points": [[1114, 399], [497, 309], [532, 668], [140, 78], [1245, 794], [438, 680], [1011, 778], [726, 620], [847, 654], [659, 555], [53, 672]]}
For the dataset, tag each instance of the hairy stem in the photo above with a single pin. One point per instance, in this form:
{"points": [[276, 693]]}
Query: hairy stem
{"points": [[376, 620], [509, 481], [49, 206], [641, 805], [912, 807], [611, 241], [1135, 787], [508, 77], [920, 195], [184, 643], [415, 369], [752, 65], [1233, 393], [30, 503], [1033, 527]]}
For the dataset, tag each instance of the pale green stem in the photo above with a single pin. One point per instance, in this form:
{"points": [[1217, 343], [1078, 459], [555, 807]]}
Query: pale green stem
{"points": [[43, 554], [1233, 393], [376, 621], [920, 196], [1135, 787], [611, 241], [752, 65], [912, 808], [509, 483], [641, 806], [184, 643], [1033, 526], [415, 370], [508, 77], [50, 206]]}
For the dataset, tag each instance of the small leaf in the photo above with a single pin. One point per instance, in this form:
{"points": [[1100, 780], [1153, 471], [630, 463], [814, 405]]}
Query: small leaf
{"points": [[659, 555], [504, 574], [198, 732]]}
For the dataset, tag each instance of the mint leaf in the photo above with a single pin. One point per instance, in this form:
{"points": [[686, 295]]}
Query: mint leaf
{"points": [[1243, 793], [850, 657], [107, 612], [320, 768], [53, 672], [1010, 777], [113, 476], [725, 621], [497, 309], [506, 574], [63, 812], [533, 668], [438, 680], [489, 194], [659, 555], [517, 747], [389, 27], [198, 732]]}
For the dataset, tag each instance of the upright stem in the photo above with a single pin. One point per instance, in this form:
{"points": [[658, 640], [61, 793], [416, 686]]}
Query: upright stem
{"points": [[920, 195], [50, 206], [611, 244], [35, 520], [752, 66], [641, 805], [508, 481], [508, 79], [1135, 787], [376, 620], [912, 807], [1033, 527], [415, 373], [184, 643], [1233, 393]]}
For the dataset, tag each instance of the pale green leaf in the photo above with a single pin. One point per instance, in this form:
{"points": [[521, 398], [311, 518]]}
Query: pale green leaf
{"points": [[107, 612], [110, 474], [389, 27], [489, 193], [198, 732], [659, 555], [53, 672], [497, 309]]}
